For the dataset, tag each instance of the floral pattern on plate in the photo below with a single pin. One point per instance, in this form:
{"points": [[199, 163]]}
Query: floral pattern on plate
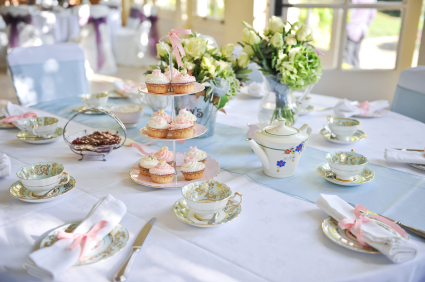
{"points": [[110, 245], [18, 191], [324, 170], [181, 210]]}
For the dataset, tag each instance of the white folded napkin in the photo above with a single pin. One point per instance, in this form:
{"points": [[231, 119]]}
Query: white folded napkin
{"points": [[345, 108], [15, 110], [399, 156], [50, 262], [124, 88], [5, 165], [396, 248], [255, 89]]}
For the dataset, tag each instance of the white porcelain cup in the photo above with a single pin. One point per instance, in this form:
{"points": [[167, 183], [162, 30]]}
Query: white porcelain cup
{"points": [[346, 165], [343, 128], [208, 197], [95, 100], [42, 177], [41, 126]]}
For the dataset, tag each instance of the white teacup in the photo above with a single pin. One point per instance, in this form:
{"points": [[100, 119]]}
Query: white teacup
{"points": [[42, 177], [41, 126], [130, 115], [95, 100], [344, 128], [346, 165], [208, 197]]}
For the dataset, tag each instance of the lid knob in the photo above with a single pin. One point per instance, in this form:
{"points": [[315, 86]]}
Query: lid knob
{"points": [[281, 121]]}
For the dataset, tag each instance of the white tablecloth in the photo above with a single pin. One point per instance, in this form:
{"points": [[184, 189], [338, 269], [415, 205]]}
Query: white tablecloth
{"points": [[276, 238]]}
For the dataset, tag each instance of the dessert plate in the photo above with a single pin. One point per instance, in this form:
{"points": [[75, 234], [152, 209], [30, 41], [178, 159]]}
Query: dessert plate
{"points": [[198, 88], [5, 125], [182, 211], [32, 139], [212, 168], [197, 131], [18, 191], [306, 111], [326, 172], [358, 136], [376, 114], [110, 245], [344, 237]]}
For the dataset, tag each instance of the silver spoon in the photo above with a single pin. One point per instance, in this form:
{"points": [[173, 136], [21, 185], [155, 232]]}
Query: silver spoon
{"points": [[212, 220]]}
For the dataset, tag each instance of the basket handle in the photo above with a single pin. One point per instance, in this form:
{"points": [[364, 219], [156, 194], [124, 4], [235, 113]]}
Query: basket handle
{"points": [[100, 111]]}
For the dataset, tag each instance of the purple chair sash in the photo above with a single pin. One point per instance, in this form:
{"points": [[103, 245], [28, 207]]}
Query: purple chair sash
{"points": [[100, 55], [13, 21], [153, 33]]}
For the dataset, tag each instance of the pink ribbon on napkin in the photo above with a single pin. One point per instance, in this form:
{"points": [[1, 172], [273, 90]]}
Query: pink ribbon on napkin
{"points": [[357, 223], [364, 107], [15, 118], [127, 88], [174, 39], [83, 239]]}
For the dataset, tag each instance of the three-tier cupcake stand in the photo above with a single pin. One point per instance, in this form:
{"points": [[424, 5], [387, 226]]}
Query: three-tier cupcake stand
{"points": [[212, 167]]}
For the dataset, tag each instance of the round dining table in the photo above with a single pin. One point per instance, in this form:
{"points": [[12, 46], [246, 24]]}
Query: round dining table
{"points": [[278, 235]]}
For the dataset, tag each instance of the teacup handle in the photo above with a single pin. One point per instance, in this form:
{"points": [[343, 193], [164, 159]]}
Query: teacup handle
{"points": [[233, 205], [330, 119], [62, 181]]}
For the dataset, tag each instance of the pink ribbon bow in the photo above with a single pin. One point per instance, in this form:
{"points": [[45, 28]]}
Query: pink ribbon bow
{"points": [[364, 107], [83, 239], [126, 88], [15, 118], [174, 39], [357, 223]]}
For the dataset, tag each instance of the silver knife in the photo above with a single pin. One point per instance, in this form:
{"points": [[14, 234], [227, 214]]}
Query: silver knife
{"points": [[125, 270], [411, 150]]}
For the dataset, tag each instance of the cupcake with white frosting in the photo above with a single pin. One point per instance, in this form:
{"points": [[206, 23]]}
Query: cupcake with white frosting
{"points": [[199, 155], [192, 169], [146, 163], [183, 113], [184, 83], [157, 127], [163, 114], [157, 82]]}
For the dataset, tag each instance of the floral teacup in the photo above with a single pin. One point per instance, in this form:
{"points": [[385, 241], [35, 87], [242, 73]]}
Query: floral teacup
{"points": [[346, 165], [41, 126], [343, 128], [41, 177], [208, 197], [95, 100]]}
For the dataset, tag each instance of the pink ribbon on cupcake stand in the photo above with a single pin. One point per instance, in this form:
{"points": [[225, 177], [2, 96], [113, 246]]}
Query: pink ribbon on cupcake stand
{"points": [[174, 39], [360, 218]]}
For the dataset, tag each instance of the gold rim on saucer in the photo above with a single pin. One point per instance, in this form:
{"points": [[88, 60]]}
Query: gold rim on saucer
{"points": [[365, 176]]}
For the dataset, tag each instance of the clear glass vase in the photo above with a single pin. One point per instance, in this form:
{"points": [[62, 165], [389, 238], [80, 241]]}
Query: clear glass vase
{"points": [[280, 102]]}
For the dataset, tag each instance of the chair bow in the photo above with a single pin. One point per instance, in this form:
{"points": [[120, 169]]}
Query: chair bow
{"points": [[84, 240], [13, 22], [174, 39], [100, 56], [357, 223], [11, 119]]}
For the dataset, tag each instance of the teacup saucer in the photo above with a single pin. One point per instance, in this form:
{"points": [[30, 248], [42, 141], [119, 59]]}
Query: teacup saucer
{"points": [[344, 238], [358, 136], [307, 110], [30, 138], [182, 211], [110, 245], [18, 191], [325, 171]]}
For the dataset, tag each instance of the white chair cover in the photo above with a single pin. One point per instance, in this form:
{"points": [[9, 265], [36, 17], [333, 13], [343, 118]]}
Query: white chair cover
{"points": [[48, 72], [27, 35], [131, 43], [99, 56], [409, 97]]}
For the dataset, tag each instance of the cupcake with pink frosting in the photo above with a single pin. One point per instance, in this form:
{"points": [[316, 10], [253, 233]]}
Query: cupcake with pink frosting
{"points": [[157, 82], [181, 128], [163, 114], [187, 114], [157, 127], [184, 83], [165, 155], [162, 173], [176, 73], [194, 152]]}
